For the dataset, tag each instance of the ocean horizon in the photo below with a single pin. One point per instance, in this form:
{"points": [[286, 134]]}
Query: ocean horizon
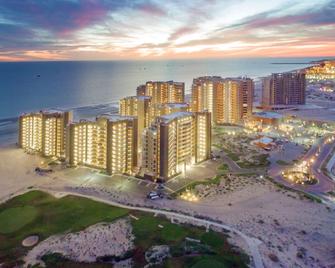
{"points": [[31, 86]]}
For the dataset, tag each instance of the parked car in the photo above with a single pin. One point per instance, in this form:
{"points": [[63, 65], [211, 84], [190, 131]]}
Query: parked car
{"points": [[44, 170]]}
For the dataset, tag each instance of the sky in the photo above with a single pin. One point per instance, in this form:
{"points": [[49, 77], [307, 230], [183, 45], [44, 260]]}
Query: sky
{"points": [[34, 30]]}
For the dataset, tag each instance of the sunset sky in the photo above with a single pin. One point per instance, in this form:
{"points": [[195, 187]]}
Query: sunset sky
{"points": [[124, 29]]}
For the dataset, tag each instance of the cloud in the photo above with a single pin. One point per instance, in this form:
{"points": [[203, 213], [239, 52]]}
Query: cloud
{"points": [[59, 17], [113, 29]]}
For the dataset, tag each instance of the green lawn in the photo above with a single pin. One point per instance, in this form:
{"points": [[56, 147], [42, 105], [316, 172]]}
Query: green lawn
{"points": [[41, 214], [13, 219]]}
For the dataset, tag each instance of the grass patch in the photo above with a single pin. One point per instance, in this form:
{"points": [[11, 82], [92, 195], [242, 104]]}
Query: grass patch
{"points": [[223, 167], [233, 156], [262, 161], [147, 231], [48, 216], [214, 181], [282, 163], [13, 219]]}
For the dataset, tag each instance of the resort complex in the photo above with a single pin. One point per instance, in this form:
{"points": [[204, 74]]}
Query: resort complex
{"points": [[214, 159], [175, 134], [155, 134]]}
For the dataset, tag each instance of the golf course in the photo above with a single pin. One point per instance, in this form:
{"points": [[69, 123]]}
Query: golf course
{"points": [[40, 214]]}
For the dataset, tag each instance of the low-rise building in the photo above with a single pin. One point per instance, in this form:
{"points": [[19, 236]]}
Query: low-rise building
{"points": [[266, 118]]}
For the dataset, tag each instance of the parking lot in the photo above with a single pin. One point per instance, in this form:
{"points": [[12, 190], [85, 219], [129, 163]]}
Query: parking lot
{"points": [[84, 177]]}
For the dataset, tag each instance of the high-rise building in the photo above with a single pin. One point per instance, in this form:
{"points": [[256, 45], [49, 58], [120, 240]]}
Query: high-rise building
{"points": [[108, 143], [137, 106], [174, 142], [230, 100], [284, 89], [44, 132], [164, 92]]}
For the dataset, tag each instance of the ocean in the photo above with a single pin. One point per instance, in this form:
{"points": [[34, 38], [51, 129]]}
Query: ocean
{"points": [[93, 87]]}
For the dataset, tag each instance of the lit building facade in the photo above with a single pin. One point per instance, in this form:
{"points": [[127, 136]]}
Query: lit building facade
{"points": [[174, 142], [108, 143], [164, 92], [230, 100], [284, 89], [137, 106], [44, 132], [322, 71]]}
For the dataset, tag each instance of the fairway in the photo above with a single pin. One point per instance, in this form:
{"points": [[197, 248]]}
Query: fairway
{"points": [[41, 214], [13, 219]]}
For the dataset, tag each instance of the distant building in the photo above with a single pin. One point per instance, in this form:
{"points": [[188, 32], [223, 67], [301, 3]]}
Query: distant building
{"points": [[109, 143], [174, 142], [140, 90], [266, 118], [44, 132], [284, 89], [323, 71], [163, 92], [230, 100]]}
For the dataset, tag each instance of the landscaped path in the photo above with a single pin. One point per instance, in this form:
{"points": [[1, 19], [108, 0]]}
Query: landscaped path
{"points": [[236, 169], [252, 243]]}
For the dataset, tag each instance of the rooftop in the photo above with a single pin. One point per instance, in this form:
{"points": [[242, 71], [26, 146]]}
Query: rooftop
{"points": [[270, 115], [116, 117], [138, 97], [173, 116]]}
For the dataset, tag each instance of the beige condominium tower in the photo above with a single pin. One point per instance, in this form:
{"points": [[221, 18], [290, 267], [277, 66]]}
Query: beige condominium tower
{"points": [[163, 92], [284, 89], [175, 142], [108, 143], [230, 100], [44, 132], [137, 106]]}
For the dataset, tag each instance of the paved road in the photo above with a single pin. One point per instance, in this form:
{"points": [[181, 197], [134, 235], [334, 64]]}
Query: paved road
{"points": [[325, 184], [253, 243]]}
